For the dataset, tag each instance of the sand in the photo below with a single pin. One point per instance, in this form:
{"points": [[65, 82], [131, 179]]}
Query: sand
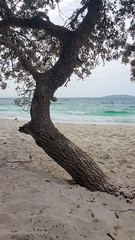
{"points": [[38, 200]]}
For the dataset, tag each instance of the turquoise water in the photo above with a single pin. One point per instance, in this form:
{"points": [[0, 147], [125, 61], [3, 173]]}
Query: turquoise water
{"points": [[112, 110]]}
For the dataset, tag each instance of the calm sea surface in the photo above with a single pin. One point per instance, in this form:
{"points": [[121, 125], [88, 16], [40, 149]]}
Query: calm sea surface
{"points": [[112, 110]]}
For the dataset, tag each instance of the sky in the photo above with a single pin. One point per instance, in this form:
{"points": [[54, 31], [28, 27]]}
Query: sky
{"points": [[111, 79]]}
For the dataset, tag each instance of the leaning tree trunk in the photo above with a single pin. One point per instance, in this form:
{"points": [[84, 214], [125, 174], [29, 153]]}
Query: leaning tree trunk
{"points": [[76, 162]]}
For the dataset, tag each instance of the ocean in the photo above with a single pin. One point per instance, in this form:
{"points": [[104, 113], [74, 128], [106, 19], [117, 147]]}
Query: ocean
{"points": [[104, 110]]}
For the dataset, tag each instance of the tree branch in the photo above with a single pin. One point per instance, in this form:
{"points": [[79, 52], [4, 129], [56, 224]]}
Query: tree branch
{"points": [[80, 11], [72, 40], [4, 6], [75, 40], [91, 19], [25, 63], [35, 23]]}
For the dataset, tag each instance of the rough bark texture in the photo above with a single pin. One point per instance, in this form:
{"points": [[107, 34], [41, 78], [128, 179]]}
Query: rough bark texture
{"points": [[75, 161]]}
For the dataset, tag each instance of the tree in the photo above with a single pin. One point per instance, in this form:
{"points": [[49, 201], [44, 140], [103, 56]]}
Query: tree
{"points": [[43, 56]]}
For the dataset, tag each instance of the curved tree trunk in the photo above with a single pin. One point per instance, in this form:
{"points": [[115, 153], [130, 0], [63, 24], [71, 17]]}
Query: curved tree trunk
{"points": [[76, 162]]}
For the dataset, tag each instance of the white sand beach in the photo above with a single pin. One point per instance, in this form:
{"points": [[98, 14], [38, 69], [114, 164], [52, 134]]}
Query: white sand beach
{"points": [[38, 200]]}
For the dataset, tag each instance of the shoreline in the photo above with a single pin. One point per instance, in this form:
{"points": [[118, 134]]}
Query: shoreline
{"points": [[38, 201], [74, 123], [115, 111]]}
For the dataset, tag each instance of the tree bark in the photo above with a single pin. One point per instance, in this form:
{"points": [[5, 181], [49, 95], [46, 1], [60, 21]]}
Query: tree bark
{"points": [[76, 162]]}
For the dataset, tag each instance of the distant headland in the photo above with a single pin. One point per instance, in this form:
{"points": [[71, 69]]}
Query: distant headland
{"points": [[119, 96]]}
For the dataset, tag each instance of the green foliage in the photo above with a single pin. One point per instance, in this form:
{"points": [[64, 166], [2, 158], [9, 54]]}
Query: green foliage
{"points": [[29, 8], [112, 38]]}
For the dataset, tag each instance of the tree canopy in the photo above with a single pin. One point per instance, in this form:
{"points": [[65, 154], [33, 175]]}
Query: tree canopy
{"points": [[30, 42]]}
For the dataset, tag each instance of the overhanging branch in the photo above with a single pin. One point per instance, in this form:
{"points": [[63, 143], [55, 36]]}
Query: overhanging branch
{"points": [[80, 11], [35, 23], [5, 11], [76, 39], [91, 19], [25, 63]]}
